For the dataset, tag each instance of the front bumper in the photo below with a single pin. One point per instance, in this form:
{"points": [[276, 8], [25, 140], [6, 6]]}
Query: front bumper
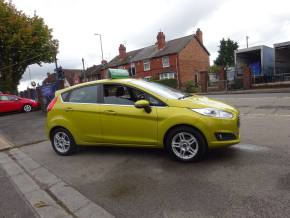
{"points": [[224, 132]]}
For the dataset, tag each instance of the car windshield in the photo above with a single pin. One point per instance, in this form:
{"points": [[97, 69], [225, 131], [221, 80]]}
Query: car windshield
{"points": [[162, 90]]}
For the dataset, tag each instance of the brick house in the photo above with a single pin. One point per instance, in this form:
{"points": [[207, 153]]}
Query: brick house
{"points": [[181, 59], [71, 77]]}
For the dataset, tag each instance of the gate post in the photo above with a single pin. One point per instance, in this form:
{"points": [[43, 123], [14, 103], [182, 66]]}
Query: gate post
{"points": [[203, 80], [221, 76], [247, 78]]}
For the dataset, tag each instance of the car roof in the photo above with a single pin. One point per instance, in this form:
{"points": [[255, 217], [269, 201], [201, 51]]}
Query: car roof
{"points": [[102, 81]]}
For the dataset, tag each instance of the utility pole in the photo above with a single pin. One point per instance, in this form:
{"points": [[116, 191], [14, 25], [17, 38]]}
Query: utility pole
{"points": [[55, 61], [97, 34], [84, 72], [247, 39]]}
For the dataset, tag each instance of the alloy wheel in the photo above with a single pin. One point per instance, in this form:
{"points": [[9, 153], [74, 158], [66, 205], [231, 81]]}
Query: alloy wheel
{"points": [[184, 145], [62, 142]]}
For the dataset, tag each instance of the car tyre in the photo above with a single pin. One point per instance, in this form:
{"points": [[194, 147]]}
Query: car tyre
{"points": [[63, 142], [186, 144], [27, 108]]}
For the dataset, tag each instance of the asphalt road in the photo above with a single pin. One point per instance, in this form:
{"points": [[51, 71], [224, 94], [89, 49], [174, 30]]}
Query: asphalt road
{"points": [[251, 179], [23, 128]]}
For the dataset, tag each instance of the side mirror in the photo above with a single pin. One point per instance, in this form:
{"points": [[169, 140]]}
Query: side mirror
{"points": [[143, 104]]}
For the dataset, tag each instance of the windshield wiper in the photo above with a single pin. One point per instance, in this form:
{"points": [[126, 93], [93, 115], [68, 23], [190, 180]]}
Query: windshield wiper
{"points": [[185, 96]]}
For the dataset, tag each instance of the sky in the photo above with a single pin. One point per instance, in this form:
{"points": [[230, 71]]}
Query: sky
{"points": [[136, 23]]}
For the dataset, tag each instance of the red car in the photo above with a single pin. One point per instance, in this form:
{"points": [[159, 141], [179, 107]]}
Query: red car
{"points": [[10, 103]]}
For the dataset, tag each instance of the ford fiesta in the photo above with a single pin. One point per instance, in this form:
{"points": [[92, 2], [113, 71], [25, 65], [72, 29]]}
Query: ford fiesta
{"points": [[136, 113]]}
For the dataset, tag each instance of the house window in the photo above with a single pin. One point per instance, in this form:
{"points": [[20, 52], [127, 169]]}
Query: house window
{"points": [[147, 78], [165, 61], [133, 69], [146, 65], [163, 76]]}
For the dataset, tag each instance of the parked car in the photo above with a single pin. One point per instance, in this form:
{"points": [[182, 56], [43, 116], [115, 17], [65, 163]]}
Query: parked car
{"points": [[130, 112], [9, 103]]}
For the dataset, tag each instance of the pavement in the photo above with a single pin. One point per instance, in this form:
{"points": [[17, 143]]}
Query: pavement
{"points": [[251, 179]]}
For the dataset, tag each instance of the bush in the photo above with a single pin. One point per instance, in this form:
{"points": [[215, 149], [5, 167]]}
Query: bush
{"points": [[167, 82], [191, 87]]}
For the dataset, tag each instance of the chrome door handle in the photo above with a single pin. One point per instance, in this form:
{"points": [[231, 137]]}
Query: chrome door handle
{"points": [[68, 109], [110, 112]]}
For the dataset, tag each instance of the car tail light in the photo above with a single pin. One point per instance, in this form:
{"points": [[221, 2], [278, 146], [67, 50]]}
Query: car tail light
{"points": [[51, 104]]}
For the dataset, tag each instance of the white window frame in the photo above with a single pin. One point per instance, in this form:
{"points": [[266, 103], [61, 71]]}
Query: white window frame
{"points": [[164, 76], [147, 78], [146, 65], [165, 62]]}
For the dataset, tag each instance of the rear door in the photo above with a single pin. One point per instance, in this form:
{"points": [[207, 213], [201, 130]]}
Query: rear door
{"points": [[7, 104], [82, 112], [122, 122]]}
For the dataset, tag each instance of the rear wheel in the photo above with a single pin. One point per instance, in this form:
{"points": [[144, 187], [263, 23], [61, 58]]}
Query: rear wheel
{"points": [[27, 108], [186, 144], [63, 142]]}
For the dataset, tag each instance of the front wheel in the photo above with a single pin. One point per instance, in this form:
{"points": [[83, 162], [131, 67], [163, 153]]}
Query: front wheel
{"points": [[27, 108], [63, 142], [186, 144]]}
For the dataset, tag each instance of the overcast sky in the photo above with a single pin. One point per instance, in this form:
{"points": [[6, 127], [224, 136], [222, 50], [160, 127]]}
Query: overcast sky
{"points": [[136, 23]]}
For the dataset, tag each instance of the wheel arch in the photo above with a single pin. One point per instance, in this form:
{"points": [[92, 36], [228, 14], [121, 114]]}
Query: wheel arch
{"points": [[181, 125]]}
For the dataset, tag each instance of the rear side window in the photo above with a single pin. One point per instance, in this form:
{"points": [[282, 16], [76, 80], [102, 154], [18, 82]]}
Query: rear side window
{"points": [[87, 94], [4, 98]]}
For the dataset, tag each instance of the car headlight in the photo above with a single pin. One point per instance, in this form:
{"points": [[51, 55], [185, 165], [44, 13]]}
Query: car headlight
{"points": [[212, 112]]}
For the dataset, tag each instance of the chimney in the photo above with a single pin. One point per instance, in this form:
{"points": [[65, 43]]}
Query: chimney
{"points": [[122, 51], [104, 62], [160, 40], [198, 35]]}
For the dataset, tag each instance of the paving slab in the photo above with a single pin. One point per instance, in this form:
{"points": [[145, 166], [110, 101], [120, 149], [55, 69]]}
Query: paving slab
{"points": [[4, 144], [47, 207]]}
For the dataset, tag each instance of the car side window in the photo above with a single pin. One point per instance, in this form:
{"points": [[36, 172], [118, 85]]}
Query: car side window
{"points": [[117, 94], [123, 95], [12, 98], [87, 94], [4, 98]]}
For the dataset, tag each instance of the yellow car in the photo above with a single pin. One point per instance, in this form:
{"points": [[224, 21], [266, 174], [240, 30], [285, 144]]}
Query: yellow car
{"points": [[136, 113]]}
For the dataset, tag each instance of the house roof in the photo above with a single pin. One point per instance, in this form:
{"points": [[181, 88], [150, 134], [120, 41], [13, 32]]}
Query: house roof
{"points": [[283, 44], [172, 47], [95, 69]]}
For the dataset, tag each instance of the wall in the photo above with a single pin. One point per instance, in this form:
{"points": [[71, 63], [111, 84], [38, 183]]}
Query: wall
{"points": [[192, 59], [156, 67]]}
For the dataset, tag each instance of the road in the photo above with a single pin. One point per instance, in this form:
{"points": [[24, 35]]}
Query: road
{"points": [[251, 179]]}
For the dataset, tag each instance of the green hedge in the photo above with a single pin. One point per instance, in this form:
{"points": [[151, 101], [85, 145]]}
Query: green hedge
{"points": [[167, 82]]}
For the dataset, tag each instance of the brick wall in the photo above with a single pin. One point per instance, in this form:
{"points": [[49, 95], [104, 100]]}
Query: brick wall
{"points": [[156, 67], [192, 59]]}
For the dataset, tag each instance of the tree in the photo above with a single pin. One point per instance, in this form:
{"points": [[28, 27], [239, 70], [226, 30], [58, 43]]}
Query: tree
{"points": [[226, 52], [214, 69], [24, 41]]}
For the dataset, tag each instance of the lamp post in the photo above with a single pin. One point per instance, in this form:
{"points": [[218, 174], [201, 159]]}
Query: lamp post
{"points": [[97, 34]]}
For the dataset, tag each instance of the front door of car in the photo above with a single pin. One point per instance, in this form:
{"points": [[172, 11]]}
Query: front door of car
{"points": [[81, 114], [122, 122]]}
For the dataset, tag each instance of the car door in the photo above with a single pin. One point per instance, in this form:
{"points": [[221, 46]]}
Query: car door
{"points": [[7, 104], [82, 114], [14, 103], [122, 122]]}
